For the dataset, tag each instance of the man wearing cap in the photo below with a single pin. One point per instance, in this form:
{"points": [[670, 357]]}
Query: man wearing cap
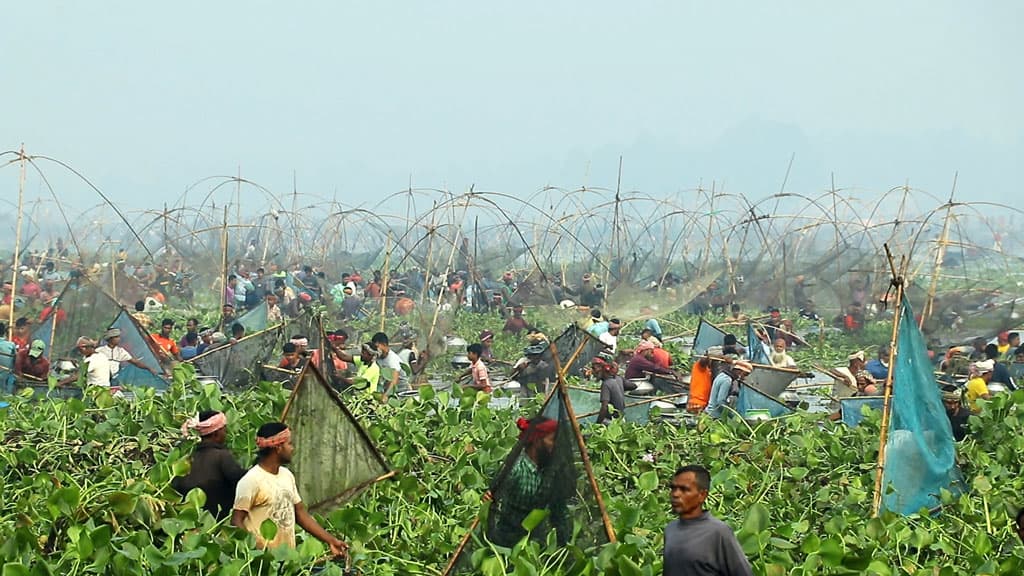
{"points": [[721, 387], [879, 367], [30, 362], [528, 487], [642, 362], [533, 372], [611, 338], [95, 369], [165, 343], [214, 468], [268, 492], [227, 316], [977, 386], [117, 355], [952, 399]]}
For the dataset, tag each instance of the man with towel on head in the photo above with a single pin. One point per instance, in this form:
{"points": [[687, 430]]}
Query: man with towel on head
{"points": [[268, 492], [214, 469]]}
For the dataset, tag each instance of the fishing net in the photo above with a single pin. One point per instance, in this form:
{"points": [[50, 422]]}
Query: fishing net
{"points": [[544, 471], [920, 455], [708, 335], [336, 459], [136, 343], [254, 320], [756, 353], [567, 343], [82, 309], [751, 402], [240, 364], [852, 408]]}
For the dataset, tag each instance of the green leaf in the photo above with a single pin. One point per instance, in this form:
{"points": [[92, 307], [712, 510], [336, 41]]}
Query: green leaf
{"points": [[15, 569], [268, 530], [982, 544], [648, 481], [534, 518], [172, 526], [426, 393], [757, 519]]}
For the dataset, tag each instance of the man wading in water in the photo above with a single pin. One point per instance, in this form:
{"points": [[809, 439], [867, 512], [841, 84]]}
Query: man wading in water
{"points": [[268, 492], [214, 469]]}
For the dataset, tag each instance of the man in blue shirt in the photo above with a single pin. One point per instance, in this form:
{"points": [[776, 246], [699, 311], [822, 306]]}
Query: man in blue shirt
{"points": [[879, 367]]}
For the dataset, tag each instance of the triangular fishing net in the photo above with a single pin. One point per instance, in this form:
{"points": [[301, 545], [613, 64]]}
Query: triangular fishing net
{"points": [[240, 364], [254, 320], [852, 408], [752, 401], [920, 458], [708, 336], [338, 460], [136, 343], [586, 403], [567, 343], [544, 471], [755, 351], [82, 309]]}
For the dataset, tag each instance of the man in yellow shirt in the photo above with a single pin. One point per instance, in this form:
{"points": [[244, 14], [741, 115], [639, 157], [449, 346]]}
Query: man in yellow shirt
{"points": [[977, 386]]}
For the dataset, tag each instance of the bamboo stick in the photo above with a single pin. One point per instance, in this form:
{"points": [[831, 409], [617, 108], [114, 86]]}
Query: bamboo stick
{"points": [[384, 281], [897, 280], [940, 256], [462, 546], [15, 264]]}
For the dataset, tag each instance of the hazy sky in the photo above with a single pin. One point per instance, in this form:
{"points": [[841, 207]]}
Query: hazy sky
{"points": [[147, 98]]}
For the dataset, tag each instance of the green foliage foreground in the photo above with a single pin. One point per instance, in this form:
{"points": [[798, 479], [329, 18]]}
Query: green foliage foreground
{"points": [[86, 490]]}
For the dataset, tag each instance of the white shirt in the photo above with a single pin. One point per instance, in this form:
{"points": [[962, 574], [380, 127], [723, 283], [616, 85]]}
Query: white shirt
{"points": [[116, 355], [609, 340], [392, 362], [98, 370]]}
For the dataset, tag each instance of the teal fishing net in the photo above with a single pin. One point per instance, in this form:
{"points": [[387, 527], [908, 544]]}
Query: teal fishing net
{"points": [[852, 408], [135, 342], [751, 400], [920, 458]]}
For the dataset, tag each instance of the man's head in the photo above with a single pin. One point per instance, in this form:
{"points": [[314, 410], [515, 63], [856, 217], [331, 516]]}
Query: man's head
{"points": [[742, 369], [380, 341], [21, 326], [140, 306], [212, 426], [991, 352], [473, 351], [779, 345], [517, 310], [237, 331], [274, 442], [951, 398], [367, 353], [856, 361], [538, 436], [36, 349], [113, 337], [291, 353], [1003, 338], [86, 346], [614, 325], [883, 353], [232, 280], [192, 325], [271, 300], [1014, 339], [645, 348], [165, 327], [301, 342], [689, 490], [734, 308], [984, 369]]}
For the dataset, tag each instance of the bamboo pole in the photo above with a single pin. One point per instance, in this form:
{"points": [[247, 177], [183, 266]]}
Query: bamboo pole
{"points": [[563, 391], [462, 546], [940, 256], [384, 281], [224, 260], [16, 261], [897, 280]]}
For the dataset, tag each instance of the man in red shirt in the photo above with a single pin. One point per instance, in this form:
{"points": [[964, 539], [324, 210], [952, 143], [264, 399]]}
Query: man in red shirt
{"points": [[165, 342], [516, 323]]}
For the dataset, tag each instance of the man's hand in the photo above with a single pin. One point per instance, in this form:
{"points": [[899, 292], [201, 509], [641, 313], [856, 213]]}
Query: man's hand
{"points": [[338, 548]]}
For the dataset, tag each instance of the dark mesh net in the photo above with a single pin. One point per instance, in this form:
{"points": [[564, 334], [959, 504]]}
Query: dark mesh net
{"points": [[82, 309], [240, 364], [567, 343], [335, 459], [544, 472], [135, 341]]}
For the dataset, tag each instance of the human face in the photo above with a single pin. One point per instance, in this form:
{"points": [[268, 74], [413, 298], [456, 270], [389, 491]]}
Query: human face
{"points": [[113, 341], [165, 330], [686, 497], [545, 449], [285, 452], [191, 326], [473, 356], [780, 346], [86, 350], [951, 405], [292, 357]]}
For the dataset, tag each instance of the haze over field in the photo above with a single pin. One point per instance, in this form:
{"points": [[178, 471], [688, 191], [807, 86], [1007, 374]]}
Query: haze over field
{"points": [[355, 100]]}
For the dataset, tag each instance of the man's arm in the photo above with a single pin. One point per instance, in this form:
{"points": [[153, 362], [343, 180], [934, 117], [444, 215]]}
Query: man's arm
{"points": [[309, 524]]}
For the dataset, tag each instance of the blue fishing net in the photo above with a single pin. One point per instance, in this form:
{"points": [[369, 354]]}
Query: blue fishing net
{"points": [[920, 455], [750, 399], [755, 352], [254, 320], [137, 344], [708, 335], [852, 408]]}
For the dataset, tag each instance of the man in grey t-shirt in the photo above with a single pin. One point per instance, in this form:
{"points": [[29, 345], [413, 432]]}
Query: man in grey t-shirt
{"points": [[698, 544]]}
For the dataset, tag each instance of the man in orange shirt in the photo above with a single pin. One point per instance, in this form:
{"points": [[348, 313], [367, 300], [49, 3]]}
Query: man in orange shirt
{"points": [[165, 342], [661, 357], [700, 386]]}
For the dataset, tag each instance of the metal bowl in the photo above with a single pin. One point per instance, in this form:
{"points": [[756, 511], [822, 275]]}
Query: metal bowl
{"points": [[643, 387], [460, 362]]}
